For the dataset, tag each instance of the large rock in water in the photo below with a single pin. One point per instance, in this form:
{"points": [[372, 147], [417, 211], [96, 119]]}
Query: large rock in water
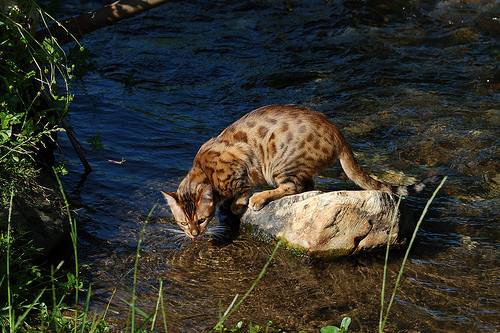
{"points": [[333, 224]]}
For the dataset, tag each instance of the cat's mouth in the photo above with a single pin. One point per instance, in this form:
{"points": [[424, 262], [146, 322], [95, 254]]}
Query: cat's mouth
{"points": [[197, 238]]}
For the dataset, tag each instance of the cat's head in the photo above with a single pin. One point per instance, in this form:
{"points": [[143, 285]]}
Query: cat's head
{"points": [[192, 210]]}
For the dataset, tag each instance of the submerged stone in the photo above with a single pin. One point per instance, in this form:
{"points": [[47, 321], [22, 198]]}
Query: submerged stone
{"points": [[333, 224]]}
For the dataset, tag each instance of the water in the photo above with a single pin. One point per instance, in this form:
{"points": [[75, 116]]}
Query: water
{"points": [[414, 86]]}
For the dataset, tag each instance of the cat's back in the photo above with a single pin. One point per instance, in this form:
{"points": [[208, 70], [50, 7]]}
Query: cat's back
{"points": [[282, 125], [277, 138]]}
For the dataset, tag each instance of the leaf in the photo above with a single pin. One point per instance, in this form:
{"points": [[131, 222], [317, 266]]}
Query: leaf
{"points": [[330, 329], [4, 137], [345, 323], [29, 75], [254, 328]]}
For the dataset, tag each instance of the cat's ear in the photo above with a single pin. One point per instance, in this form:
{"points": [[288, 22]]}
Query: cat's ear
{"points": [[171, 197], [172, 200], [205, 202]]}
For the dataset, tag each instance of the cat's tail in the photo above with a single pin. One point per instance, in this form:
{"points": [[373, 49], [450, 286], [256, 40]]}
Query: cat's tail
{"points": [[365, 181]]}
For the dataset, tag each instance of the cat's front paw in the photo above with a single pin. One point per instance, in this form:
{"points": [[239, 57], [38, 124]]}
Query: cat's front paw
{"points": [[256, 202]]}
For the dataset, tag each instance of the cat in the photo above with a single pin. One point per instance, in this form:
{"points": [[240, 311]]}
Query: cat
{"points": [[284, 146]]}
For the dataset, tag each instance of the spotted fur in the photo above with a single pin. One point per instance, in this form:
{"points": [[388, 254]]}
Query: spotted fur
{"points": [[283, 146]]}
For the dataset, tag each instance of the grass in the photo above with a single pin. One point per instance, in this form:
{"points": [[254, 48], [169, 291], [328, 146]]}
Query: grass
{"points": [[13, 321], [9, 296], [384, 278], [219, 326], [27, 308], [384, 317], [133, 304], [74, 243], [31, 108]]}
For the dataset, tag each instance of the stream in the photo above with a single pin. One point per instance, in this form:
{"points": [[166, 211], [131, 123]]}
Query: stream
{"points": [[413, 85]]}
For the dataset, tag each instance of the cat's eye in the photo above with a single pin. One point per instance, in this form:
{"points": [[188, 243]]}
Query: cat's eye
{"points": [[184, 223], [201, 221]]}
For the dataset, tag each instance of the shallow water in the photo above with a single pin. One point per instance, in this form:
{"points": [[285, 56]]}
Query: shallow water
{"points": [[414, 86]]}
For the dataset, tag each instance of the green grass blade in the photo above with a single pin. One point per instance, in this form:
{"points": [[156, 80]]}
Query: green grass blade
{"points": [[107, 305], [20, 320], [86, 309], [74, 242], [142, 313], [53, 285], [164, 317], [157, 307], [231, 305], [9, 295], [403, 263], [96, 320], [95, 323], [231, 309], [73, 232], [136, 265], [384, 278]]}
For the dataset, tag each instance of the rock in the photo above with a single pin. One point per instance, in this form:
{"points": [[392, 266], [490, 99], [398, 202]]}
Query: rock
{"points": [[40, 217], [332, 224]]}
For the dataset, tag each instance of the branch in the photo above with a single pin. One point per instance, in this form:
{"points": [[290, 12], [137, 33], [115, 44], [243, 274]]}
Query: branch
{"points": [[78, 26], [76, 145]]}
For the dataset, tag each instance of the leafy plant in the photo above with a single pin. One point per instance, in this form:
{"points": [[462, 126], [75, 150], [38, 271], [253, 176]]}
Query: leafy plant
{"points": [[35, 299], [31, 101], [344, 327], [241, 327]]}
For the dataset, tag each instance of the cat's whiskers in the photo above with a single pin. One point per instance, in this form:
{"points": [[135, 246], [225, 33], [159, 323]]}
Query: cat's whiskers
{"points": [[175, 231], [217, 228], [217, 231], [179, 236], [180, 239]]}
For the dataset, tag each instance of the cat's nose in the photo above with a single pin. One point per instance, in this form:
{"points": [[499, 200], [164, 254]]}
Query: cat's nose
{"points": [[194, 232]]}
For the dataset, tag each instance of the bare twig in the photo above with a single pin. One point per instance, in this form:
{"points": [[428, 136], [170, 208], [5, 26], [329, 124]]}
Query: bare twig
{"points": [[76, 145]]}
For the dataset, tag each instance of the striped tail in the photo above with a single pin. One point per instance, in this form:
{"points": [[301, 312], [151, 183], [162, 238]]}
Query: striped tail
{"points": [[365, 181]]}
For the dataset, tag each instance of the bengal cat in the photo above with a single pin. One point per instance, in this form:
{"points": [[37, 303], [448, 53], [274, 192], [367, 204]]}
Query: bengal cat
{"points": [[283, 146]]}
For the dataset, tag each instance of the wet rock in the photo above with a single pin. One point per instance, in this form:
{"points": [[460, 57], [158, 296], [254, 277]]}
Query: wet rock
{"points": [[39, 217], [333, 224]]}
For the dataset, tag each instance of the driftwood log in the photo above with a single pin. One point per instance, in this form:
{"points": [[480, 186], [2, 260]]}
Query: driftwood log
{"points": [[333, 224], [77, 27]]}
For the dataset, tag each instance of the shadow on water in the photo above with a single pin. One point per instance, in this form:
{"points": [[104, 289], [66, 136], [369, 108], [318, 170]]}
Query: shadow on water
{"points": [[414, 85]]}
